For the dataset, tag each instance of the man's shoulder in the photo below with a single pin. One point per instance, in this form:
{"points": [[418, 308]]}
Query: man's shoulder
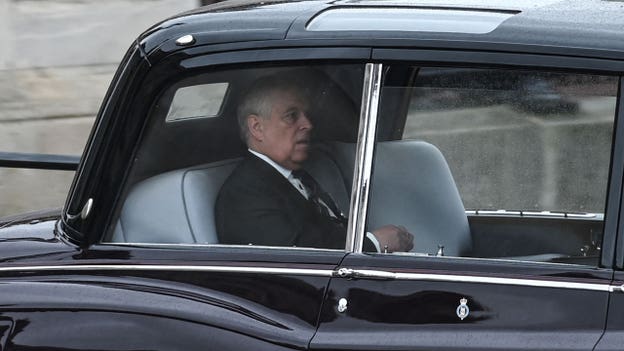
{"points": [[251, 172]]}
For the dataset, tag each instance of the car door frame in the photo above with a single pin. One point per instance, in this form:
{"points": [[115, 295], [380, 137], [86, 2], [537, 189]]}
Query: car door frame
{"points": [[613, 337], [187, 271], [376, 273]]}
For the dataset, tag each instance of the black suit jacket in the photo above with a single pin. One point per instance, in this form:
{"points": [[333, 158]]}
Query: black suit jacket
{"points": [[257, 205]]}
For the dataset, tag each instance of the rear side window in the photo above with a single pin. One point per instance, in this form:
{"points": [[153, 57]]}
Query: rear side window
{"points": [[251, 174], [532, 141], [197, 101], [494, 163]]}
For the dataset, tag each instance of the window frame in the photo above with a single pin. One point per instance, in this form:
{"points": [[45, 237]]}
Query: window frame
{"points": [[492, 60], [214, 63], [160, 72]]}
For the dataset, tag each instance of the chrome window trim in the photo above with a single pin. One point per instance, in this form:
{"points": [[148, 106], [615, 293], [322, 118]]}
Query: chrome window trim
{"points": [[477, 259], [174, 268], [227, 246], [351, 274], [364, 157], [532, 213], [365, 273]]}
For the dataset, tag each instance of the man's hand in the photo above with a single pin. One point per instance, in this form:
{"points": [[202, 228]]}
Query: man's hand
{"points": [[395, 238]]}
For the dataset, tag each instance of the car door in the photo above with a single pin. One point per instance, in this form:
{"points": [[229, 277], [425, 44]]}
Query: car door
{"points": [[167, 238], [613, 337], [507, 181], [156, 275], [224, 297]]}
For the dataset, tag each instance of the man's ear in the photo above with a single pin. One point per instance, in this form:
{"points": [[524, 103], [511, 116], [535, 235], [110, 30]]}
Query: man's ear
{"points": [[254, 124]]}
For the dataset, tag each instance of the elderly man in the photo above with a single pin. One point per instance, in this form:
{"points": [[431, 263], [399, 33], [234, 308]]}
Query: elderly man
{"points": [[269, 199]]}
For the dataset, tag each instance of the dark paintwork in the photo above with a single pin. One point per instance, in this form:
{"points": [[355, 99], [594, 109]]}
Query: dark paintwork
{"points": [[91, 330], [536, 29], [38, 215], [613, 338], [254, 305], [391, 314], [33, 240], [258, 310], [122, 310]]}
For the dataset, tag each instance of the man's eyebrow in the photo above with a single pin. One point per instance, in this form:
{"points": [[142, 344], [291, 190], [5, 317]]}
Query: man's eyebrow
{"points": [[292, 109]]}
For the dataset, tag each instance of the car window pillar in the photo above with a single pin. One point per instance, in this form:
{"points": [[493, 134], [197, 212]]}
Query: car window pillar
{"points": [[614, 207], [364, 158]]}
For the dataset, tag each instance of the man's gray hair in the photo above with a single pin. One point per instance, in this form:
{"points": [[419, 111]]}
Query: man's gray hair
{"points": [[257, 100]]}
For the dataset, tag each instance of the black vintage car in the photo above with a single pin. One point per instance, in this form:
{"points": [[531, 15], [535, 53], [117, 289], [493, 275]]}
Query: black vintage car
{"points": [[490, 131]]}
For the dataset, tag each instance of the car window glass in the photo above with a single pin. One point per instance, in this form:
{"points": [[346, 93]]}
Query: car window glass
{"points": [[196, 182], [495, 163]]}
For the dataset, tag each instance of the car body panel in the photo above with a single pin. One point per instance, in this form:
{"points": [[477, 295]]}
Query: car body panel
{"points": [[116, 291], [418, 307], [32, 239], [135, 303], [613, 336]]}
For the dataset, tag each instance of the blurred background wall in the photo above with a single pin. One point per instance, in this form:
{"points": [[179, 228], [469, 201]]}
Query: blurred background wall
{"points": [[57, 58]]}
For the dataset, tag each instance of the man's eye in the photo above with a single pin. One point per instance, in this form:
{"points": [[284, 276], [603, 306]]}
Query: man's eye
{"points": [[290, 117]]}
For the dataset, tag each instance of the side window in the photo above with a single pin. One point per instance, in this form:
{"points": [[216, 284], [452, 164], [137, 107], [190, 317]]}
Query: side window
{"points": [[248, 156], [495, 163]]}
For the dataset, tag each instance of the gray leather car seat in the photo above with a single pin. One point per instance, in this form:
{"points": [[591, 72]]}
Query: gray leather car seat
{"points": [[174, 207], [412, 186]]}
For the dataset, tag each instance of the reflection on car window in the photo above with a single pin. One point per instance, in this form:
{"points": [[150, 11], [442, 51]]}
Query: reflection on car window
{"points": [[498, 163], [272, 168]]}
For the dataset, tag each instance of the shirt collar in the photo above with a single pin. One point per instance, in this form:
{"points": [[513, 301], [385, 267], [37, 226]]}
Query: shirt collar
{"points": [[283, 171]]}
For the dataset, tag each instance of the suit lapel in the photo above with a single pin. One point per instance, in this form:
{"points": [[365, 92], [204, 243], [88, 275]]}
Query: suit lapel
{"points": [[275, 180]]}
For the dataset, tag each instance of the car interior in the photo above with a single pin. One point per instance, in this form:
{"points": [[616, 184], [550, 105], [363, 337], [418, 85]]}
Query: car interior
{"points": [[181, 165], [175, 180]]}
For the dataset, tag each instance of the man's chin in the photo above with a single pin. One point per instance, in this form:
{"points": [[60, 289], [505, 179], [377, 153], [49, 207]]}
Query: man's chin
{"points": [[300, 157]]}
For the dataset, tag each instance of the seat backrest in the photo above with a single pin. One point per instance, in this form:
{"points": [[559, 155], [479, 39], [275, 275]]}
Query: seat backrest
{"points": [[412, 186], [174, 207]]}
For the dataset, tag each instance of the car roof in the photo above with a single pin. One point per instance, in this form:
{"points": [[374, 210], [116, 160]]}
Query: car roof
{"points": [[587, 28]]}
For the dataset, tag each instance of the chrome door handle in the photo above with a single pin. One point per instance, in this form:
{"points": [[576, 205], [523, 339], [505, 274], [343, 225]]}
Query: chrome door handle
{"points": [[616, 288], [349, 273]]}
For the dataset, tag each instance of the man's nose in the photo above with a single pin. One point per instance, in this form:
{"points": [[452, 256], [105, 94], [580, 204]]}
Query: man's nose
{"points": [[305, 122]]}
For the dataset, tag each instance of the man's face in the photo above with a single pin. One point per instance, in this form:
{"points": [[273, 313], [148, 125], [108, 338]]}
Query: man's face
{"points": [[284, 136]]}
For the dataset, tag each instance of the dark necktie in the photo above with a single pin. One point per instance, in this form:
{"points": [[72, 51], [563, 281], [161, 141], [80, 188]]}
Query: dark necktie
{"points": [[321, 199]]}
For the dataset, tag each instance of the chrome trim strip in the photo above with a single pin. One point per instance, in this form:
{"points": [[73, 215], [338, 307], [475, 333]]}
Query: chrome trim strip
{"points": [[352, 274], [374, 274], [546, 214], [226, 246], [498, 212], [616, 288], [174, 268], [364, 157]]}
